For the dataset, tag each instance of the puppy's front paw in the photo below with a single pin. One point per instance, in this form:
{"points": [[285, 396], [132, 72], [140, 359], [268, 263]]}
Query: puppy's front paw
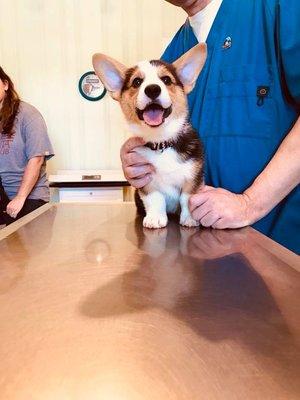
{"points": [[187, 220], [155, 221]]}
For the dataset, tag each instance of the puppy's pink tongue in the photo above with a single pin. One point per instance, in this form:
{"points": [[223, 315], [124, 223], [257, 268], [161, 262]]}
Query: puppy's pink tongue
{"points": [[153, 117]]}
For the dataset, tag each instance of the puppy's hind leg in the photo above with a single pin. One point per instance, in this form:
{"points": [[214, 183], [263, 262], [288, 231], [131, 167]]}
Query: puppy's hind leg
{"points": [[155, 206], [185, 216], [190, 187], [139, 203]]}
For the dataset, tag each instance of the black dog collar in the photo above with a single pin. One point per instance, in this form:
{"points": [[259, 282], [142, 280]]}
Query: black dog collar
{"points": [[159, 146]]}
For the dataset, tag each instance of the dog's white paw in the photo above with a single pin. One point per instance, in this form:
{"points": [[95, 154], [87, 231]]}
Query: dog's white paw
{"points": [[187, 220], [155, 221]]}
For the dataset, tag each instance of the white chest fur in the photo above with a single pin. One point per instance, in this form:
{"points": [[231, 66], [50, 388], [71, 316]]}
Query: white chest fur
{"points": [[170, 173]]}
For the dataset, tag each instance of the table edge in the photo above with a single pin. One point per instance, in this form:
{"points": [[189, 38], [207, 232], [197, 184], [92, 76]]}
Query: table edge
{"points": [[8, 230], [284, 254]]}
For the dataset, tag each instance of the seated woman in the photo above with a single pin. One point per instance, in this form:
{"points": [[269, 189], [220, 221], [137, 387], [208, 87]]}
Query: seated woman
{"points": [[24, 149]]}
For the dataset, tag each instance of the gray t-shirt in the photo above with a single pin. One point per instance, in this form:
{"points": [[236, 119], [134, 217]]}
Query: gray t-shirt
{"points": [[29, 140]]}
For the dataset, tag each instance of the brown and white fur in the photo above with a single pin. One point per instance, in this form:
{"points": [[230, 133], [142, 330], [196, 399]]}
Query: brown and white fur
{"points": [[153, 98]]}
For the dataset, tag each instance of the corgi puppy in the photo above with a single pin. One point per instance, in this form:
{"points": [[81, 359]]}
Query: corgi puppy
{"points": [[153, 97]]}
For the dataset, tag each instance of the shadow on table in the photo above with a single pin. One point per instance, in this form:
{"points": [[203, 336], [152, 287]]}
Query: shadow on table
{"points": [[202, 278]]}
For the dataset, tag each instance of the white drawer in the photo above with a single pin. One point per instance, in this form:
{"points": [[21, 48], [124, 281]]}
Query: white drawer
{"points": [[73, 195]]}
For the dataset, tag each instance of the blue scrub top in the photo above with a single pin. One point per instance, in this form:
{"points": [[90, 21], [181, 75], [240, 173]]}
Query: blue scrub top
{"points": [[240, 128]]}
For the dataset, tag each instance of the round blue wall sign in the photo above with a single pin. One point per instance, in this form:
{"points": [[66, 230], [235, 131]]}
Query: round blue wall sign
{"points": [[90, 87]]}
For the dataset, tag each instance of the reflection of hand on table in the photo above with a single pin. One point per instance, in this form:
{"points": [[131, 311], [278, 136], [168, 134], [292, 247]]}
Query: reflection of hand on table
{"points": [[211, 243], [282, 281]]}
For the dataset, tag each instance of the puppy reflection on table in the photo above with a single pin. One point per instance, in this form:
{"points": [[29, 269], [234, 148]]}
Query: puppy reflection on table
{"points": [[198, 276]]}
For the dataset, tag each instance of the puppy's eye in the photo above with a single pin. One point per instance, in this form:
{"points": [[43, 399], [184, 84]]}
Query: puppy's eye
{"points": [[166, 80], [137, 82]]}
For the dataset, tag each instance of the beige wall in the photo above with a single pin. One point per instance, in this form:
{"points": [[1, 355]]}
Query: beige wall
{"points": [[45, 46]]}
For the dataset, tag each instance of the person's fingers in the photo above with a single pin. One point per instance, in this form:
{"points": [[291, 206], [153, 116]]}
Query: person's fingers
{"points": [[130, 144], [137, 171], [141, 182], [133, 158], [196, 200], [201, 211], [220, 224], [205, 188], [209, 219], [12, 213], [12, 209]]}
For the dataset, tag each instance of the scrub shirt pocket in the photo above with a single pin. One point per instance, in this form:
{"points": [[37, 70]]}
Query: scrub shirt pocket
{"points": [[234, 106]]}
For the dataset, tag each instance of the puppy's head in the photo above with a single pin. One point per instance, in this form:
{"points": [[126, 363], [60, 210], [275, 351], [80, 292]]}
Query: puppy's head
{"points": [[152, 94]]}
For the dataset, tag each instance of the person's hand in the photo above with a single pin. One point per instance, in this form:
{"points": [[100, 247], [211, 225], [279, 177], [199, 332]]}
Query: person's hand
{"points": [[15, 206], [136, 169], [221, 209]]}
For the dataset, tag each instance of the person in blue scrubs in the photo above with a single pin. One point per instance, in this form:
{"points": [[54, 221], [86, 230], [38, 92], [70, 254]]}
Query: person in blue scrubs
{"points": [[245, 107]]}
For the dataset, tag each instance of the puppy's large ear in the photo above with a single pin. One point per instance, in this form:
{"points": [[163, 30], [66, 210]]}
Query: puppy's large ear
{"points": [[111, 73], [189, 66]]}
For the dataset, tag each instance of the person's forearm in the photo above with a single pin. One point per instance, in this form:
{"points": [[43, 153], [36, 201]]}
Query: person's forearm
{"points": [[30, 177], [279, 178]]}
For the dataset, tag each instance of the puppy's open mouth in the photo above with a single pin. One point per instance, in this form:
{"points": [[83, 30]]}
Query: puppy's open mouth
{"points": [[154, 114]]}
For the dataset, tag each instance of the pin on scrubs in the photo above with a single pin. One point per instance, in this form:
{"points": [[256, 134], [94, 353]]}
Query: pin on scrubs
{"points": [[247, 98]]}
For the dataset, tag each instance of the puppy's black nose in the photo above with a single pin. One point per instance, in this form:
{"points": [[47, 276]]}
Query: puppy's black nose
{"points": [[152, 91]]}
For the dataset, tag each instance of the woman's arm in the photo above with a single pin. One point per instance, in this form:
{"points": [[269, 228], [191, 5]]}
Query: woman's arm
{"points": [[222, 209], [30, 177]]}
